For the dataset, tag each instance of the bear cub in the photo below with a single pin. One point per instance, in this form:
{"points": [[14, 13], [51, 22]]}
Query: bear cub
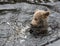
{"points": [[39, 23]]}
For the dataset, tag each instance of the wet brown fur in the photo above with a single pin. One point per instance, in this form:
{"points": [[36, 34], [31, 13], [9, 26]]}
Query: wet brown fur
{"points": [[39, 22]]}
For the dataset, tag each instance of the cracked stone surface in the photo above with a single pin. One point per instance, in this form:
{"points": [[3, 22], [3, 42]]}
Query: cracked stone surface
{"points": [[14, 25]]}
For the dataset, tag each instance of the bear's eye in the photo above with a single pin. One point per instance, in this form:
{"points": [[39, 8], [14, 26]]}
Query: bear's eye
{"points": [[36, 19]]}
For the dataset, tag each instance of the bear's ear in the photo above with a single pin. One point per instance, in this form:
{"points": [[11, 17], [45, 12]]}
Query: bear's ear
{"points": [[47, 13]]}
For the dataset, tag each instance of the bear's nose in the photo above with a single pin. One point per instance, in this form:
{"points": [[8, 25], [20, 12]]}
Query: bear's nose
{"points": [[31, 24]]}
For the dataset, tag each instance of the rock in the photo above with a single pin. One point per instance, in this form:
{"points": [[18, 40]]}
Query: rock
{"points": [[55, 43], [2, 41]]}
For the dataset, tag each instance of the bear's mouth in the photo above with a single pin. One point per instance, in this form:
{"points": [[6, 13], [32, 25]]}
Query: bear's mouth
{"points": [[36, 30]]}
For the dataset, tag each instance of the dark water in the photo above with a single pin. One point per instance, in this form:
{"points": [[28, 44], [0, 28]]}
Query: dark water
{"points": [[15, 20]]}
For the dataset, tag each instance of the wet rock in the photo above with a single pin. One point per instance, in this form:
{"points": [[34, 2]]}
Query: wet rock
{"points": [[42, 1], [5, 31], [54, 44], [2, 41]]}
